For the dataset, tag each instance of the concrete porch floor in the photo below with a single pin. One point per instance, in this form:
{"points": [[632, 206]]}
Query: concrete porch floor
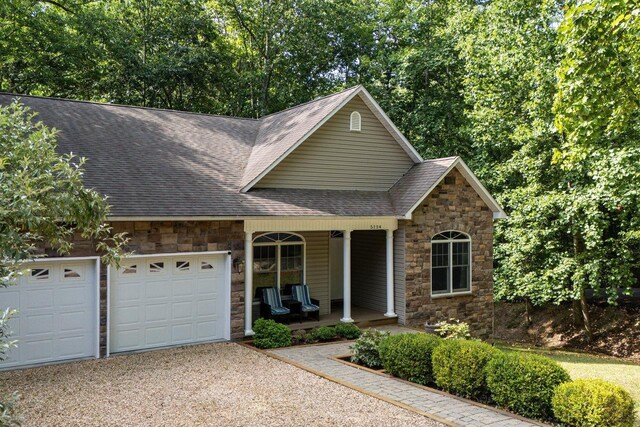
{"points": [[363, 317]]}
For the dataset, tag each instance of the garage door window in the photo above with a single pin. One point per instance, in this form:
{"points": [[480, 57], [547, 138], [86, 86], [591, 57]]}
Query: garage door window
{"points": [[40, 273], [278, 260]]}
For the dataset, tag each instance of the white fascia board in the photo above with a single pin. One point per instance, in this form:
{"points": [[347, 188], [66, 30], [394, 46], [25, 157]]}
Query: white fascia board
{"points": [[236, 218], [300, 141], [426, 194], [63, 258], [484, 194], [164, 255], [116, 218], [399, 137], [481, 189]]}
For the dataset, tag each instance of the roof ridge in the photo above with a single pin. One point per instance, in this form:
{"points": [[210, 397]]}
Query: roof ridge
{"points": [[439, 159], [108, 104], [312, 101]]}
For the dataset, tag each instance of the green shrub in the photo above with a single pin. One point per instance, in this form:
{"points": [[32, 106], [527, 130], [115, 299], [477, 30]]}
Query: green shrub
{"points": [[453, 330], [324, 333], [591, 403], [459, 367], [408, 356], [365, 349], [298, 337], [525, 383], [348, 331], [270, 334]]}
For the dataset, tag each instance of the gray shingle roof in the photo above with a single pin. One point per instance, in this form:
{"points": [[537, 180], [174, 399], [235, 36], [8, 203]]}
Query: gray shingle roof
{"points": [[153, 162], [414, 184]]}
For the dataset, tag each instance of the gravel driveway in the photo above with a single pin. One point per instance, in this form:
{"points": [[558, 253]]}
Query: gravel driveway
{"points": [[214, 384]]}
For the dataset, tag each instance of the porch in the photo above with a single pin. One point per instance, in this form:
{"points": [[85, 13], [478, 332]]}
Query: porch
{"points": [[362, 317], [353, 268]]}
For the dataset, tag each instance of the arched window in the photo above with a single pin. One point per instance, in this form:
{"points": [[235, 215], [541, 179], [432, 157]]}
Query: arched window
{"points": [[355, 122], [450, 263], [278, 260]]}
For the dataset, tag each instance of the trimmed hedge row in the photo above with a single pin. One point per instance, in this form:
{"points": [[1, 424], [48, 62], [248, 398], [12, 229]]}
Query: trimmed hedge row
{"points": [[408, 356], [527, 384], [459, 367], [592, 403]]}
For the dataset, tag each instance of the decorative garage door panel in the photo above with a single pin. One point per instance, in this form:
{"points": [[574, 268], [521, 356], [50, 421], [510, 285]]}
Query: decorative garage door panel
{"points": [[166, 301], [57, 313]]}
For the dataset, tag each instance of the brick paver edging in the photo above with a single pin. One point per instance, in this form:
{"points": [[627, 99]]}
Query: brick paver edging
{"points": [[435, 390], [351, 386], [435, 404]]}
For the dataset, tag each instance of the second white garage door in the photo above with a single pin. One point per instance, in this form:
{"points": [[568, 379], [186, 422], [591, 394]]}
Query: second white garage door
{"points": [[163, 301]]}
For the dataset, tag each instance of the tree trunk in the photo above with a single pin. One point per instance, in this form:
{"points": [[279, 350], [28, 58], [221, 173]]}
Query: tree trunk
{"points": [[586, 317], [578, 247], [576, 312], [527, 311]]}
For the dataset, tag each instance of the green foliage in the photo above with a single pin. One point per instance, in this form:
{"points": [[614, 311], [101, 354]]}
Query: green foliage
{"points": [[5, 343], [366, 348], [459, 367], [270, 334], [408, 356], [453, 330], [348, 330], [592, 403], [525, 383], [8, 414], [324, 333], [42, 196]]}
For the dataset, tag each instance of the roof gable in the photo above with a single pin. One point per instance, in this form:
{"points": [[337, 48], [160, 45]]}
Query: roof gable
{"points": [[283, 132], [335, 157], [409, 192]]}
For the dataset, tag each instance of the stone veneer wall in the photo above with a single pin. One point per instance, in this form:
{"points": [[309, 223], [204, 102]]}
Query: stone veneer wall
{"points": [[453, 205], [173, 237]]}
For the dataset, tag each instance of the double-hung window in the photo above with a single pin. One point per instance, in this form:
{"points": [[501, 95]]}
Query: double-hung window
{"points": [[450, 263]]}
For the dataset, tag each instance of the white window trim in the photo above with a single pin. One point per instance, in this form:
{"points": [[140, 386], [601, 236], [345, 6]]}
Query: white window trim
{"points": [[352, 123], [450, 291], [278, 244]]}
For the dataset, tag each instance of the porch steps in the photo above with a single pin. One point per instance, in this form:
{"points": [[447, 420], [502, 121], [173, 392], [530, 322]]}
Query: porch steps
{"points": [[374, 323]]}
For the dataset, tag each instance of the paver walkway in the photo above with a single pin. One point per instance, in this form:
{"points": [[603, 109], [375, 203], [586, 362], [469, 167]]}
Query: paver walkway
{"points": [[318, 359]]}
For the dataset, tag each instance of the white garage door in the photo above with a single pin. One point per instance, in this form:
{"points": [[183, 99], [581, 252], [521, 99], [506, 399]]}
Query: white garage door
{"points": [[164, 301], [58, 312]]}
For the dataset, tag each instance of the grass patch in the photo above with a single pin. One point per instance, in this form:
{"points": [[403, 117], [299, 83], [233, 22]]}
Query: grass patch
{"points": [[583, 365]]}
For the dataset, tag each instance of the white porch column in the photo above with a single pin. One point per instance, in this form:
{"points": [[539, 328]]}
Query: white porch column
{"points": [[248, 283], [390, 294], [346, 280]]}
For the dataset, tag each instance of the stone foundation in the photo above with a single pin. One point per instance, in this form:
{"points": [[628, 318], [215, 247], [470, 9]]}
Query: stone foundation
{"points": [[453, 205]]}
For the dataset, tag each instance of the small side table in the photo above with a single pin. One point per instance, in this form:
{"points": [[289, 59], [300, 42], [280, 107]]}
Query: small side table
{"points": [[295, 309]]}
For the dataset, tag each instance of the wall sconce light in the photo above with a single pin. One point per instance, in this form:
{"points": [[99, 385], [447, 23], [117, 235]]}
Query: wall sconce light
{"points": [[238, 265]]}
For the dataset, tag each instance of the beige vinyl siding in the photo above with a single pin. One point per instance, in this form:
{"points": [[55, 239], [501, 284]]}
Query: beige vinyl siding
{"points": [[399, 272], [317, 265], [369, 270], [336, 158]]}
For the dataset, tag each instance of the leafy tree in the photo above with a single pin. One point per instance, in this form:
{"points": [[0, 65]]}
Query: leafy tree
{"points": [[155, 53], [42, 196], [43, 203]]}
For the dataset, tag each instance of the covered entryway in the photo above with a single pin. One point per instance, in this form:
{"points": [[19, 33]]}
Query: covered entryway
{"points": [[57, 320], [168, 300]]}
